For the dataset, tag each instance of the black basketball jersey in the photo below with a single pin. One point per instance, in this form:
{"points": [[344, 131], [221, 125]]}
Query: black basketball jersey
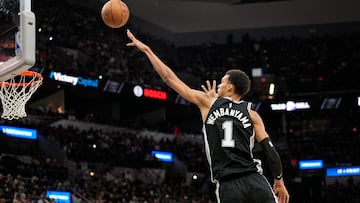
{"points": [[229, 139]]}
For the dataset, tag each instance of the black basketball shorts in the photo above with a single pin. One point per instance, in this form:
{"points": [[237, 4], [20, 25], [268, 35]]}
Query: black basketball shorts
{"points": [[250, 188]]}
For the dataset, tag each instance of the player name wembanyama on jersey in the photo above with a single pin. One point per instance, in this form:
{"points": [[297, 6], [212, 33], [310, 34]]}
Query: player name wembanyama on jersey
{"points": [[228, 112]]}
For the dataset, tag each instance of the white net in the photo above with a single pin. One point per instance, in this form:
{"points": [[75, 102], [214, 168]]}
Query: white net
{"points": [[16, 92]]}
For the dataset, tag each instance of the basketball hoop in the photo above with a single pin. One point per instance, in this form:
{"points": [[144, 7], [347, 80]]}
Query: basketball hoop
{"points": [[16, 92]]}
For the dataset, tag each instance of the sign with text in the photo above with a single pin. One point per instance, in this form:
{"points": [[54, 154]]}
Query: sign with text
{"points": [[343, 171], [311, 164], [290, 106], [80, 81], [149, 93], [25, 133], [155, 94]]}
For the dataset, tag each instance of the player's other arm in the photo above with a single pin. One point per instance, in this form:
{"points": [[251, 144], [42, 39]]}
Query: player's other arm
{"points": [[263, 138], [272, 157], [169, 77]]}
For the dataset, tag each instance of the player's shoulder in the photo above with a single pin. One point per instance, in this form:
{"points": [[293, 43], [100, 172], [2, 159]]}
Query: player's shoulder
{"points": [[255, 116]]}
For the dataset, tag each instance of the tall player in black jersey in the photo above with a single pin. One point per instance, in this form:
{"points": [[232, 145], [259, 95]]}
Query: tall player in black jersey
{"points": [[230, 130]]}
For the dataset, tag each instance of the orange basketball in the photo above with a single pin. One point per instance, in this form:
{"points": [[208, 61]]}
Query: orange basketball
{"points": [[115, 13]]}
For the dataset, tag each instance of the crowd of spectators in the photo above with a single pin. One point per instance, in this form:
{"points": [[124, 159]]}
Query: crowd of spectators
{"points": [[114, 149], [97, 189], [124, 148], [327, 135], [317, 62], [127, 148]]}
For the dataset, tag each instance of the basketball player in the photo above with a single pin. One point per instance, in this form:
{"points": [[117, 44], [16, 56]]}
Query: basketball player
{"points": [[230, 129]]}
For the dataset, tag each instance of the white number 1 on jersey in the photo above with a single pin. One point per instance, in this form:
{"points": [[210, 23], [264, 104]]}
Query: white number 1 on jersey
{"points": [[228, 140]]}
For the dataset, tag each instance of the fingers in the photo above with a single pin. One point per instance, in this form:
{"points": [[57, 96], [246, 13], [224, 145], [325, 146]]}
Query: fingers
{"points": [[283, 197], [208, 85], [129, 33], [287, 198], [131, 37], [211, 86], [214, 85], [131, 44], [204, 88]]}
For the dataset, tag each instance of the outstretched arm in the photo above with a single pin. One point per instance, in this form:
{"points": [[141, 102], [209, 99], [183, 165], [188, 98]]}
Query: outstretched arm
{"points": [[196, 97], [272, 156]]}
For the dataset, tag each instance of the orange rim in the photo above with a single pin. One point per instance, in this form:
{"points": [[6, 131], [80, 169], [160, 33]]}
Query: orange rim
{"points": [[22, 84]]}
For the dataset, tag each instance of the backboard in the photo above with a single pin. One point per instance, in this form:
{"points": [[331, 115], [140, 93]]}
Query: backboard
{"points": [[17, 38]]}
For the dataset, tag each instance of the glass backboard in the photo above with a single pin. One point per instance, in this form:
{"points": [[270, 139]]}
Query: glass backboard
{"points": [[17, 38]]}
